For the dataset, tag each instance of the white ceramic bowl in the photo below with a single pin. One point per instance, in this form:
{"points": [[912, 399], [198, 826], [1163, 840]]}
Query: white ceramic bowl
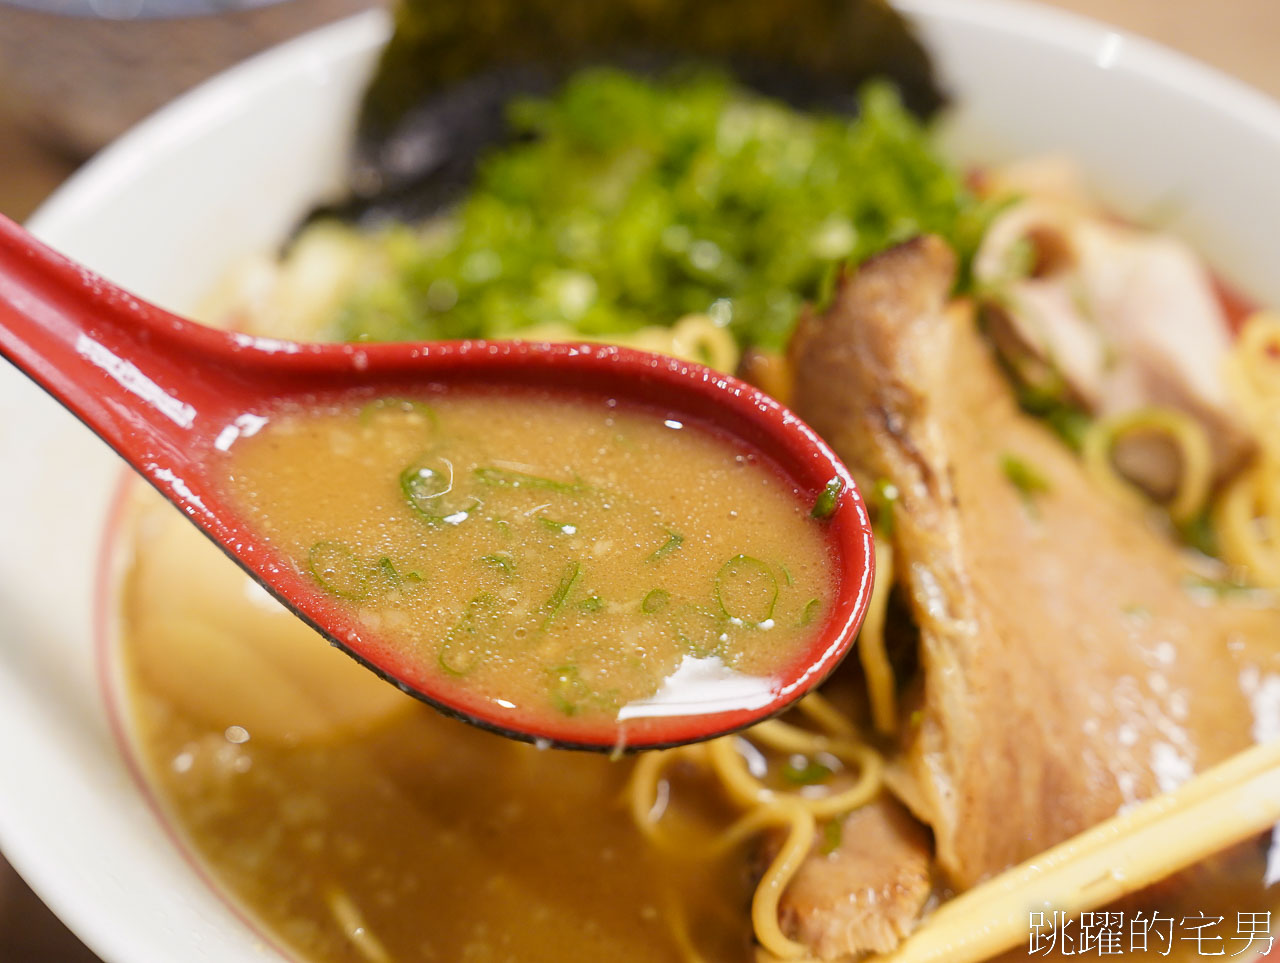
{"points": [[228, 168]]}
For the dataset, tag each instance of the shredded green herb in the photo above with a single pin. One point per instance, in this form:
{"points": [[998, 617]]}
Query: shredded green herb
{"points": [[592, 603], [810, 611]]}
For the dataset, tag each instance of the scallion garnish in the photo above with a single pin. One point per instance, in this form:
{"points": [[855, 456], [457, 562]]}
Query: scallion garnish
{"points": [[809, 773], [338, 570], [425, 483], [506, 478], [462, 650], [824, 506], [746, 589], [1023, 476], [832, 837], [884, 498], [560, 596], [810, 611], [673, 542], [560, 528], [655, 601], [500, 560]]}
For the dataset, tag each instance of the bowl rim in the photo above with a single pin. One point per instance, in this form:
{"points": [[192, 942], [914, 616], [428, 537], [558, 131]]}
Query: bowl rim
{"points": [[233, 90]]}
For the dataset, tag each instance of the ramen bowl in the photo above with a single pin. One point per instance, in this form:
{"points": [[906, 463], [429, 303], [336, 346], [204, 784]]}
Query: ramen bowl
{"points": [[173, 204]]}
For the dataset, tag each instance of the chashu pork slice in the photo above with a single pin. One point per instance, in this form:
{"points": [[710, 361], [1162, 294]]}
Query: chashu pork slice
{"points": [[1067, 669], [866, 894], [1126, 318]]}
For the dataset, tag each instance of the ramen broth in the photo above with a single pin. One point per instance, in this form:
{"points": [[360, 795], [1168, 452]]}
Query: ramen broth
{"points": [[356, 825], [385, 831], [555, 555]]}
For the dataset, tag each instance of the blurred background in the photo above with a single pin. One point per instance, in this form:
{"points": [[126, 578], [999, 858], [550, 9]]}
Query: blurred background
{"points": [[71, 79]]}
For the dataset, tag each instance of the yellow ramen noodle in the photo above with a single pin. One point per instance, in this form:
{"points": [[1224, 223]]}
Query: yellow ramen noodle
{"points": [[551, 554]]}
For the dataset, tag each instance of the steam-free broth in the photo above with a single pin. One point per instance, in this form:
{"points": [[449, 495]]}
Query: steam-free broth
{"points": [[551, 554]]}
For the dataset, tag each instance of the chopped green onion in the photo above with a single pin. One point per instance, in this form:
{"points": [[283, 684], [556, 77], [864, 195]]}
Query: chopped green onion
{"points": [[832, 837], [1199, 533], [462, 649], [811, 773], [424, 482], [506, 478], [561, 594], [1020, 259], [1223, 588], [500, 560], [1023, 476], [702, 632], [1049, 401], [673, 542], [388, 569], [568, 691], [696, 192], [656, 601], [338, 570], [884, 498], [560, 528], [746, 590], [824, 506], [786, 574], [810, 611], [592, 603]]}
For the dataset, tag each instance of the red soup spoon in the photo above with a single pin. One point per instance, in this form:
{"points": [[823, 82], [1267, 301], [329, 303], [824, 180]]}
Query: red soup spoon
{"points": [[162, 391]]}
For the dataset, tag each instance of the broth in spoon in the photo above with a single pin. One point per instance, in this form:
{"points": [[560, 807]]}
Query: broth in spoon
{"points": [[564, 558]]}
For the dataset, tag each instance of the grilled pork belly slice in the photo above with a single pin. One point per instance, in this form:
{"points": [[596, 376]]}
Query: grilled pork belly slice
{"points": [[1067, 669]]}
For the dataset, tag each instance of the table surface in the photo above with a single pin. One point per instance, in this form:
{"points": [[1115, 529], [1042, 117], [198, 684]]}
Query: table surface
{"points": [[1238, 36]]}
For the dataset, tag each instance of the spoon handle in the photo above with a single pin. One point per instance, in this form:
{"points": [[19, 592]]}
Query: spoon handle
{"points": [[127, 369], [83, 340]]}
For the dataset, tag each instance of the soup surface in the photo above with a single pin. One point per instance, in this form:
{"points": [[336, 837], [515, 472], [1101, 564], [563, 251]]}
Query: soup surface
{"points": [[553, 555], [358, 825]]}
